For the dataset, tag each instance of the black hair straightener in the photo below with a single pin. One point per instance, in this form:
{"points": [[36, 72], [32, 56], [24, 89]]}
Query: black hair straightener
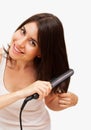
{"points": [[54, 82]]}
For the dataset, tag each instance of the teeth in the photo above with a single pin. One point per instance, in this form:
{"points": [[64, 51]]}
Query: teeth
{"points": [[17, 49]]}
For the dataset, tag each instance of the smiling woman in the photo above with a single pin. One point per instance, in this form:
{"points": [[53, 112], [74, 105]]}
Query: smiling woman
{"points": [[24, 43], [36, 54]]}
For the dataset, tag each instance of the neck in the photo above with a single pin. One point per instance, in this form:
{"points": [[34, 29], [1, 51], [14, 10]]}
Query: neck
{"points": [[19, 65]]}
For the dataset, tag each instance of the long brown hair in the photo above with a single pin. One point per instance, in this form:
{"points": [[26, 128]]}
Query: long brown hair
{"points": [[54, 60]]}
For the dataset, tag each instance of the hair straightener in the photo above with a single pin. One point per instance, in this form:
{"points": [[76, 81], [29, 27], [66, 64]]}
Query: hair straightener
{"points": [[54, 82]]}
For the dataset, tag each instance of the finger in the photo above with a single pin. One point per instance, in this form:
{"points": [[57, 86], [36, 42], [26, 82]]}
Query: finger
{"points": [[64, 102], [48, 84], [63, 106], [64, 95], [44, 90]]}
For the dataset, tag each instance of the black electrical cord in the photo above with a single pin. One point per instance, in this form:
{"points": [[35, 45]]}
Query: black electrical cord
{"points": [[34, 96], [54, 82]]}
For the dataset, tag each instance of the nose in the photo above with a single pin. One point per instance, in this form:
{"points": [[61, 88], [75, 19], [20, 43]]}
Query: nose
{"points": [[21, 42]]}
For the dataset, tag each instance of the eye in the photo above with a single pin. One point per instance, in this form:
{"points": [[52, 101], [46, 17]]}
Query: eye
{"points": [[22, 30], [33, 42]]}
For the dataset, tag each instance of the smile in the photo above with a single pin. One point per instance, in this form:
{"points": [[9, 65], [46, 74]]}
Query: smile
{"points": [[16, 50]]}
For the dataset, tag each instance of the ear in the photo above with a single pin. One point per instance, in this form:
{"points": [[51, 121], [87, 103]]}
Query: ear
{"points": [[39, 55]]}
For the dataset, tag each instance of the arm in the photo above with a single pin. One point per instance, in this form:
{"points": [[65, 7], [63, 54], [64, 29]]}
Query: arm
{"points": [[61, 101], [40, 87], [8, 99]]}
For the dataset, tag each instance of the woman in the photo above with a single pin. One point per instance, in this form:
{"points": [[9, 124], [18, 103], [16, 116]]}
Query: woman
{"points": [[36, 54]]}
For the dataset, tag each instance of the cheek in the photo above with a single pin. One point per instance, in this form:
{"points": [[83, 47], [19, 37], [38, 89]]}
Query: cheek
{"points": [[32, 51], [12, 40], [16, 36]]}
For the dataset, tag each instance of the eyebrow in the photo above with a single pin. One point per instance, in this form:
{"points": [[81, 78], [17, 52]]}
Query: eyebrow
{"points": [[31, 37], [34, 40]]}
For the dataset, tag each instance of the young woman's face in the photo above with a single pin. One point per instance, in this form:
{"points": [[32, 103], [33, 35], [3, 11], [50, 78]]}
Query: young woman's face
{"points": [[24, 45]]}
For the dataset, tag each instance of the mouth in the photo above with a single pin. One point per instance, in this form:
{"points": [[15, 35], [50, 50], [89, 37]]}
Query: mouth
{"points": [[17, 50]]}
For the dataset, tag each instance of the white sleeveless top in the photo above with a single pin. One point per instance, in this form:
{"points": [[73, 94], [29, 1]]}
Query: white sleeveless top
{"points": [[34, 115]]}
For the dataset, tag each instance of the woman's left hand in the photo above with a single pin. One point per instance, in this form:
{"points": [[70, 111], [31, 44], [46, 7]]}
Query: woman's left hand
{"points": [[66, 100]]}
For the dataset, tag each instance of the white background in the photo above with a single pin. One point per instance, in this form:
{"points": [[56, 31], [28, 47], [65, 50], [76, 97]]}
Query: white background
{"points": [[76, 18]]}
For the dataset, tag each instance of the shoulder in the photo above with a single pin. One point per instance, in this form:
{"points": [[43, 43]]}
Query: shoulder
{"points": [[1, 52]]}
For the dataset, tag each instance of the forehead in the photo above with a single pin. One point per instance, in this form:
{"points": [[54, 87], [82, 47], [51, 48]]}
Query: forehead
{"points": [[31, 28]]}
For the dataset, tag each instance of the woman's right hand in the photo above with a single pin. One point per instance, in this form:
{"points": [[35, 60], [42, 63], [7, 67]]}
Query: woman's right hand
{"points": [[43, 88]]}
